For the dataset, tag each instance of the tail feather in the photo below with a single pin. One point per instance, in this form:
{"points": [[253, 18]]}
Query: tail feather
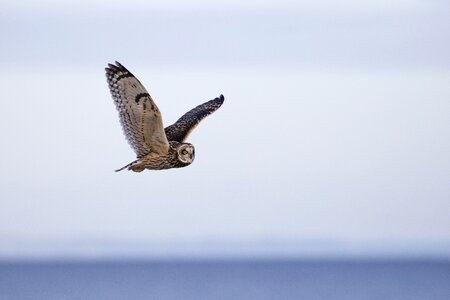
{"points": [[134, 166], [127, 166]]}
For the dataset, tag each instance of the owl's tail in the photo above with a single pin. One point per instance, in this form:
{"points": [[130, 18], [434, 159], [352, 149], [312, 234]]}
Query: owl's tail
{"points": [[123, 167], [134, 166]]}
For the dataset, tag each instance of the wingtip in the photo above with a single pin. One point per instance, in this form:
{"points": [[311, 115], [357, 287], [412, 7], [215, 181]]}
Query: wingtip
{"points": [[119, 64], [115, 67], [221, 98]]}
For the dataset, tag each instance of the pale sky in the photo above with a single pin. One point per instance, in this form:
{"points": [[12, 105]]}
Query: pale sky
{"points": [[334, 127]]}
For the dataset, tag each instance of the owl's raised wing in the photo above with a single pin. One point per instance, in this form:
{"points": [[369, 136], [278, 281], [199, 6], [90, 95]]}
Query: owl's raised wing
{"points": [[180, 130], [140, 117]]}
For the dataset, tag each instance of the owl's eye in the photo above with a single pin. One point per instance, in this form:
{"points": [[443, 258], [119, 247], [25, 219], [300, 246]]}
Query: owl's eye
{"points": [[184, 152]]}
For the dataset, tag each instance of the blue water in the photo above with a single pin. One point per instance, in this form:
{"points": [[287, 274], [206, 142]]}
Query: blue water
{"points": [[226, 280]]}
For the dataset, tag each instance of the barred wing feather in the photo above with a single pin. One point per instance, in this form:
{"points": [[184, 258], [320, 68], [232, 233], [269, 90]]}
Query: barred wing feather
{"points": [[140, 117]]}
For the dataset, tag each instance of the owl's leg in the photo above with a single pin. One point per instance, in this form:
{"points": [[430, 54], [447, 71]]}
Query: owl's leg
{"points": [[136, 168]]}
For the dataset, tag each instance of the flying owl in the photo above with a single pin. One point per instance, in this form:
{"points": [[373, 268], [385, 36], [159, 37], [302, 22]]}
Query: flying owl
{"points": [[156, 147]]}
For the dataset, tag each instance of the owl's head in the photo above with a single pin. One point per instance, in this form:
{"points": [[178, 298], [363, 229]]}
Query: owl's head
{"points": [[186, 153]]}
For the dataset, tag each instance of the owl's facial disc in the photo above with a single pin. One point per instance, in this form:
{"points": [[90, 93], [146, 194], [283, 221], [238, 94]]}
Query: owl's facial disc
{"points": [[186, 153]]}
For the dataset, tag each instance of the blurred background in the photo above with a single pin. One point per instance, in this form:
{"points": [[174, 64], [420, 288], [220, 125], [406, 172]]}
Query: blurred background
{"points": [[333, 139], [332, 144]]}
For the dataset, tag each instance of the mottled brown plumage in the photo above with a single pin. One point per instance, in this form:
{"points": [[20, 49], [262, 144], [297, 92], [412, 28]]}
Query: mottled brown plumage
{"points": [[156, 148]]}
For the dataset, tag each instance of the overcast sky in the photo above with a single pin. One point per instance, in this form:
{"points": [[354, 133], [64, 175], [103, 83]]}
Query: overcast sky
{"points": [[335, 123]]}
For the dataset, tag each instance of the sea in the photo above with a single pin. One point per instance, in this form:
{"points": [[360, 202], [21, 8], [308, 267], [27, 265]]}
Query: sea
{"points": [[226, 279]]}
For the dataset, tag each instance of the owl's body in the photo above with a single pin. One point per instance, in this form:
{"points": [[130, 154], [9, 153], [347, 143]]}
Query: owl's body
{"points": [[156, 148], [168, 161]]}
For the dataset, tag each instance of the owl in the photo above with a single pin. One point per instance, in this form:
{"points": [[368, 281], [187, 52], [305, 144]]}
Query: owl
{"points": [[156, 147]]}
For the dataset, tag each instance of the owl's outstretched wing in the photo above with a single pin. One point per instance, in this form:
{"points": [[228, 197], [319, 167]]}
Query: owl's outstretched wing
{"points": [[180, 130], [140, 117]]}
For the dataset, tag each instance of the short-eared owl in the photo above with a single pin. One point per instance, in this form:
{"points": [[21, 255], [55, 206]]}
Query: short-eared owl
{"points": [[156, 147]]}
